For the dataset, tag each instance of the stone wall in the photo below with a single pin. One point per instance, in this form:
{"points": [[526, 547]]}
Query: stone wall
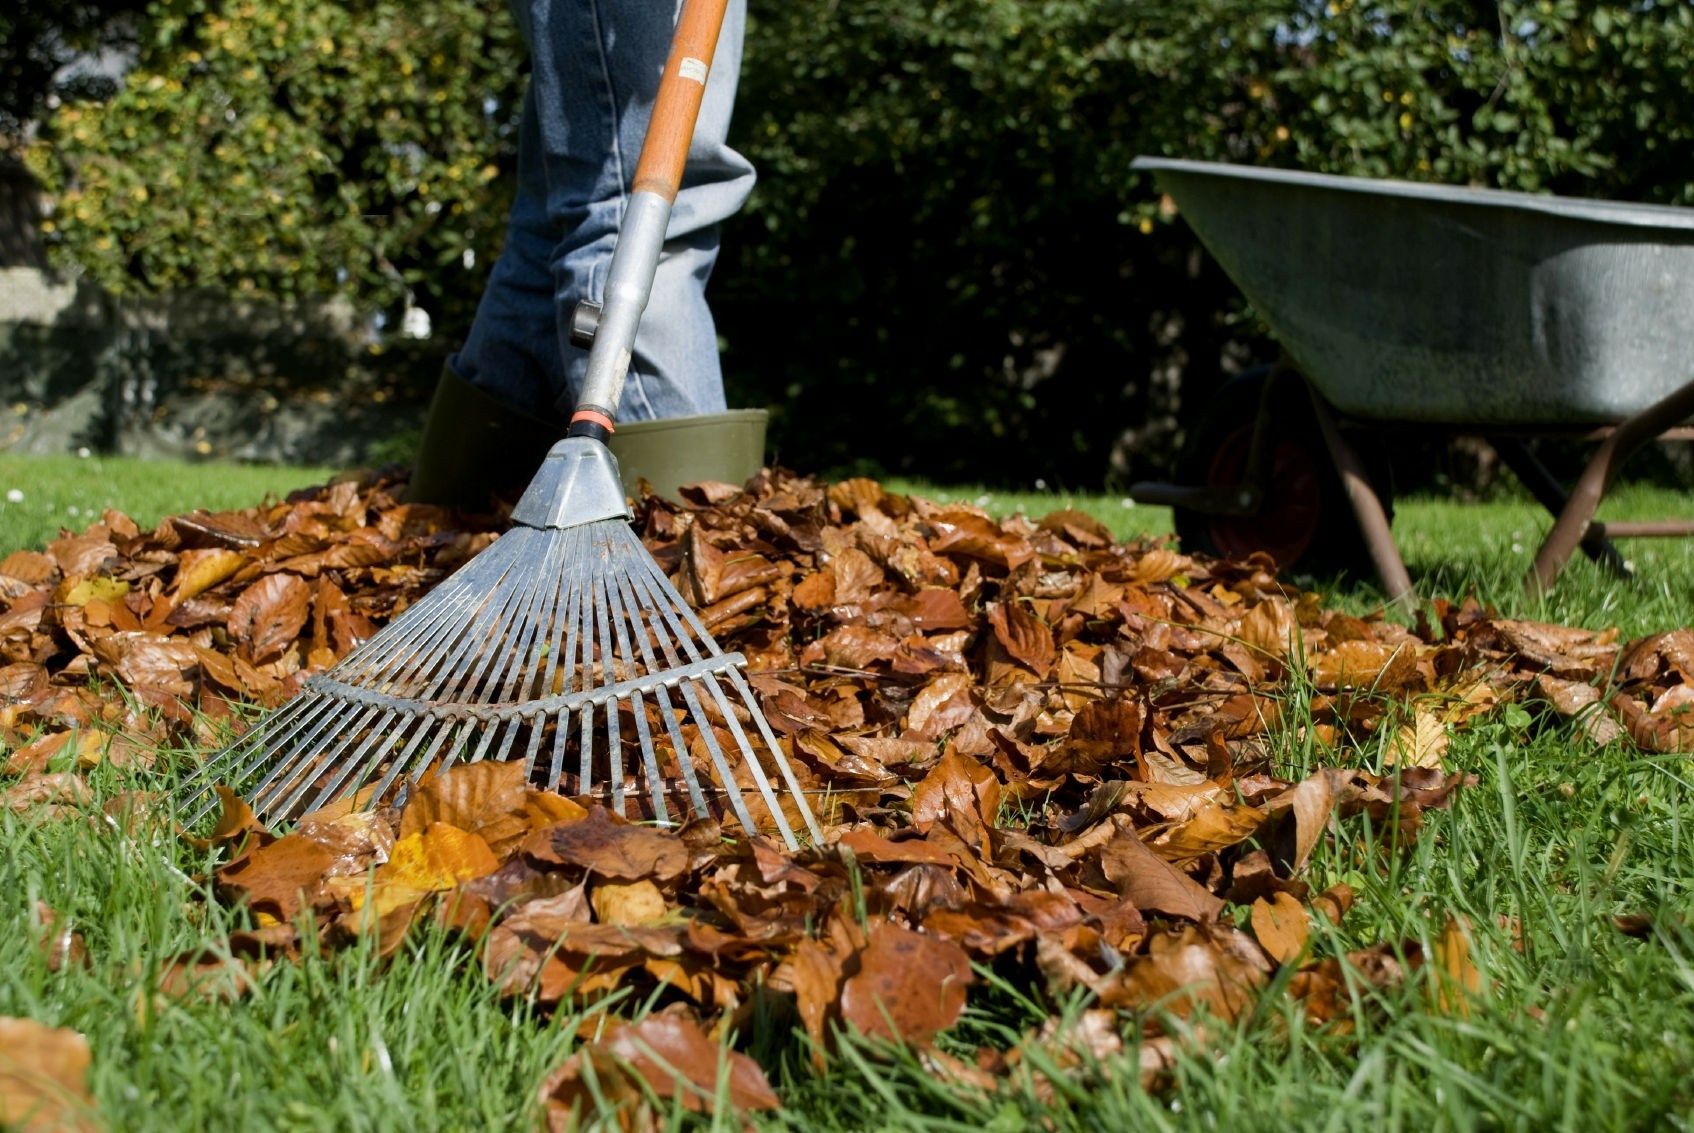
{"points": [[196, 376]]}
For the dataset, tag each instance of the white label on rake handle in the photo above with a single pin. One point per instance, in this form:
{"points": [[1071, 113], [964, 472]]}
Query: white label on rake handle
{"points": [[692, 69]]}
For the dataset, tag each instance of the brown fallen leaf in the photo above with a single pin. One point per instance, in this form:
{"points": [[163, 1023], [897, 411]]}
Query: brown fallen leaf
{"points": [[236, 821], [1356, 664], [269, 615], [44, 1078], [667, 1054], [1301, 815], [1213, 966], [908, 987], [45, 789], [61, 944], [278, 879], [1334, 902], [963, 792], [1279, 922], [492, 800], [1026, 639], [1150, 882], [610, 848]]}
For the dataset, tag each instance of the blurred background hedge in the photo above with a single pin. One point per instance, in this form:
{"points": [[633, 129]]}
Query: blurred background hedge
{"points": [[946, 254]]}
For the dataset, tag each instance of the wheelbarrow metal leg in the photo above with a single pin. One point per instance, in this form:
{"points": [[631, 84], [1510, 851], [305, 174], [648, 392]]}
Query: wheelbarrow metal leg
{"points": [[1373, 518], [1550, 494], [1577, 515]]}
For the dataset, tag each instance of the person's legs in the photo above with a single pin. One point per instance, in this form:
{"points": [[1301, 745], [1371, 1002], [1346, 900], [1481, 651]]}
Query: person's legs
{"points": [[597, 65], [595, 71]]}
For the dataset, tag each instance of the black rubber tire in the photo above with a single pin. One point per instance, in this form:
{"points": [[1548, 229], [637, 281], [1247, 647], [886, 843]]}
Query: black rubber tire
{"points": [[1306, 523]]}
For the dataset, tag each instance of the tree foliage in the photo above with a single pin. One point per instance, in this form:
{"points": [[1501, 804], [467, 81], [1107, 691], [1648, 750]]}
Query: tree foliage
{"points": [[293, 149], [946, 231], [38, 42]]}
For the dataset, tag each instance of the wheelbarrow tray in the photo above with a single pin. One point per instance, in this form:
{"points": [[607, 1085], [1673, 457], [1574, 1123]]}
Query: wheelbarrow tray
{"points": [[1471, 307]]}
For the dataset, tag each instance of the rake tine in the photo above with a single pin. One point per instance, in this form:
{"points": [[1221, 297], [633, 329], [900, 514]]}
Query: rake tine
{"points": [[427, 636], [708, 644], [574, 672], [198, 797], [538, 620], [585, 640], [743, 687], [684, 760], [435, 623], [732, 790], [354, 762], [558, 622], [301, 739], [614, 746], [585, 742], [648, 573], [662, 697], [460, 739], [404, 759], [561, 726], [561, 621], [481, 648], [619, 615], [522, 669], [303, 774], [752, 760]]}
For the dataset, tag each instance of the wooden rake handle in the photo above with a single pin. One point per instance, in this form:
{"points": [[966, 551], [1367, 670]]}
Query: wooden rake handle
{"points": [[641, 234], [664, 151]]}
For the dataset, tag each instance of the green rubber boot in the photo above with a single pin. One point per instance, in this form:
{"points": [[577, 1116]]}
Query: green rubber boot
{"points": [[673, 451], [476, 448]]}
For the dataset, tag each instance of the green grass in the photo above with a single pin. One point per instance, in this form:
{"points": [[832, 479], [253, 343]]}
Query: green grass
{"points": [[1580, 1026], [70, 492]]}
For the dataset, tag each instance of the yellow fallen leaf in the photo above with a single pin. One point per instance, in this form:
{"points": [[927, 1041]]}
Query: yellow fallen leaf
{"points": [[1458, 980], [1212, 827], [436, 859], [86, 590], [1377, 665], [1270, 628], [1420, 743], [639, 902], [199, 571]]}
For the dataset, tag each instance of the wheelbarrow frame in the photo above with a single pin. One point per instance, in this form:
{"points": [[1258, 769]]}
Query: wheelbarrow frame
{"points": [[1557, 390], [1574, 509]]}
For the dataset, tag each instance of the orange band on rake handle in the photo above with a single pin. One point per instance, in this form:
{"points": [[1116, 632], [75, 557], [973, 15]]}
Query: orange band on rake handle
{"points": [[665, 149], [593, 417]]}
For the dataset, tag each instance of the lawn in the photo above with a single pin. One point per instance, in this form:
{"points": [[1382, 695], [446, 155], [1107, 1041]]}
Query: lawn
{"points": [[1575, 1024], [41, 494]]}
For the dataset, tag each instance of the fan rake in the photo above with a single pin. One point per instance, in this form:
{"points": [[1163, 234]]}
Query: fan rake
{"points": [[563, 640], [563, 644]]}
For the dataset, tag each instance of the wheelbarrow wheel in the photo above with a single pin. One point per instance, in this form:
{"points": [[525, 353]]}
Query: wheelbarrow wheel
{"points": [[1305, 522]]}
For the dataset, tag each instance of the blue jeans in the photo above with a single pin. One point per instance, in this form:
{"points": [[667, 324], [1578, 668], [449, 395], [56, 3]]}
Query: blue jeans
{"points": [[595, 72]]}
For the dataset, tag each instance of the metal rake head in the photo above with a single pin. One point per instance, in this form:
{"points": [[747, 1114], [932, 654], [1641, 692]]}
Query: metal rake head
{"points": [[562, 644]]}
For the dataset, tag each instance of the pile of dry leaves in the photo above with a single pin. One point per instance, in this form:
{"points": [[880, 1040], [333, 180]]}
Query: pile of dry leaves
{"points": [[1054, 751]]}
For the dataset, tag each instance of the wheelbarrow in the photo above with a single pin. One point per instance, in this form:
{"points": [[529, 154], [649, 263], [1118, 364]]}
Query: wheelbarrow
{"points": [[1403, 306]]}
